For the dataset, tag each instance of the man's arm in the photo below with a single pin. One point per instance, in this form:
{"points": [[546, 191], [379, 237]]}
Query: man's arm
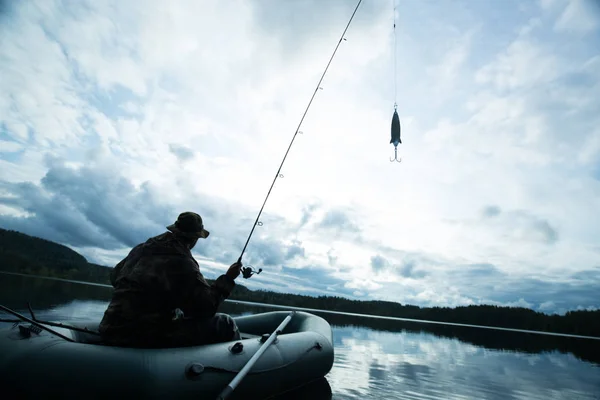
{"points": [[204, 299]]}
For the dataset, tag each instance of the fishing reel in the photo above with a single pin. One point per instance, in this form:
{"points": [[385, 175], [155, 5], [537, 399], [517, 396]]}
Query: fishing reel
{"points": [[248, 271]]}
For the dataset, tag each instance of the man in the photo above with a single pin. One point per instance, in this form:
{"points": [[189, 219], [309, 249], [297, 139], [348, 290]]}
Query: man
{"points": [[162, 300]]}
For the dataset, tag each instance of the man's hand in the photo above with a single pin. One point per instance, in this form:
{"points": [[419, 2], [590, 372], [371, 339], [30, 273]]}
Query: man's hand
{"points": [[234, 270]]}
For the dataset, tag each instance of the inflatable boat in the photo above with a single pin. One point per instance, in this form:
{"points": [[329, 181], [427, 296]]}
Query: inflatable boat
{"points": [[279, 352]]}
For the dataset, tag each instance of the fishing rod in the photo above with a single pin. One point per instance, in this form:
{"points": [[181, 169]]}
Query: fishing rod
{"points": [[247, 272]]}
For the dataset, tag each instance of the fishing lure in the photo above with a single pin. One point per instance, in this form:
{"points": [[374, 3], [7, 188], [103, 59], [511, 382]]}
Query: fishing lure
{"points": [[395, 135], [395, 119]]}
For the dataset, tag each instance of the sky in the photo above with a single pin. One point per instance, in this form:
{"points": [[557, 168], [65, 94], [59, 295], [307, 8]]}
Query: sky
{"points": [[117, 116]]}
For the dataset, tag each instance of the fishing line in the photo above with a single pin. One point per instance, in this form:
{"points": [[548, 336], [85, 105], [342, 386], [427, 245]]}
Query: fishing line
{"points": [[395, 60], [248, 271], [395, 128]]}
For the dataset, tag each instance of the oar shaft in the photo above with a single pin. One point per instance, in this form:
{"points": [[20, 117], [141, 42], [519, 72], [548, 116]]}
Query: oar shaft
{"points": [[244, 371], [35, 323]]}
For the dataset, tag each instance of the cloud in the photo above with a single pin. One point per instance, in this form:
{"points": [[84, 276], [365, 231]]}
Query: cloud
{"points": [[547, 305], [491, 211], [183, 153], [9, 147], [307, 213], [114, 119], [579, 16], [590, 275], [378, 263], [86, 207], [338, 220], [405, 269], [331, 257], [522, 224], [295, 250]]}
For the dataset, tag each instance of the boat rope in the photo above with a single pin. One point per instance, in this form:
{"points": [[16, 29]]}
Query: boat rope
{"points": [[248, 271]]}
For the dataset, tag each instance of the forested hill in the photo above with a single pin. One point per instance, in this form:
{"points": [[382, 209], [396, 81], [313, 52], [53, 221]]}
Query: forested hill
{"points": [[30, 255]]}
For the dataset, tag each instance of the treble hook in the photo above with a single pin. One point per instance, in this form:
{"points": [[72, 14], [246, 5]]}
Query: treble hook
{"points": [[395, 156]]}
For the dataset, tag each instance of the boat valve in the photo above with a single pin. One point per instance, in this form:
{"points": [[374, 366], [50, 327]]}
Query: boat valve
{"points": [[194, 370], [237, 348]]}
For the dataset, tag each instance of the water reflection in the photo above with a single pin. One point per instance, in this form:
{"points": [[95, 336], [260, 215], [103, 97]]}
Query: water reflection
{"points": [[376, 364], [385, 359]]}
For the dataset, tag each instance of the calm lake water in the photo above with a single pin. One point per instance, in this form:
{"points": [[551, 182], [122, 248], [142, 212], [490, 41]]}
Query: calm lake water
{"points": [[383, 359]]}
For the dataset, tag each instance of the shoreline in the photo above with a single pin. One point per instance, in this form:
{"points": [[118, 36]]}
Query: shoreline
{"points": [[335, 312]]}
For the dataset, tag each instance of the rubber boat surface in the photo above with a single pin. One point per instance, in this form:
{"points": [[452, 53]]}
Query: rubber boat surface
{"points": [[34, 362]]}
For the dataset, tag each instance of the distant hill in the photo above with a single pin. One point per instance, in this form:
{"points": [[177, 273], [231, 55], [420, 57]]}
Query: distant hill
{"points": [[31, 255]]}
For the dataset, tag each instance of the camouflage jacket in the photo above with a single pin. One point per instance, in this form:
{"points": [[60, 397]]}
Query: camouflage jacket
{"points": [[154, 279]]}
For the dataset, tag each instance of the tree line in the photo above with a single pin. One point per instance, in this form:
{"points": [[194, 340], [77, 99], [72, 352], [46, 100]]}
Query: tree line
{"points": [[30, 255]]}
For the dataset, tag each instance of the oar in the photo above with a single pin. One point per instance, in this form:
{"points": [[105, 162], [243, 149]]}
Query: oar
{"points": [[237, 379], [35, 323]]}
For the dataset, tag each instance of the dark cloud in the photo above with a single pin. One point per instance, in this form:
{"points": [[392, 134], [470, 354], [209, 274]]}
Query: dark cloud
{"points": [[261, 252], [592, 275], [491, 211], [295, 250], [267, 253], [183, 153], [88, 207], [407, 270], [331, 257], [539, 229], [477, 280], [52, 219], [485, 281], [481, 270], [378, 263], [338, 220], [528, 225], [5, 7], [543, 227], [564, 295], [218, 248], [307, 213]]}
